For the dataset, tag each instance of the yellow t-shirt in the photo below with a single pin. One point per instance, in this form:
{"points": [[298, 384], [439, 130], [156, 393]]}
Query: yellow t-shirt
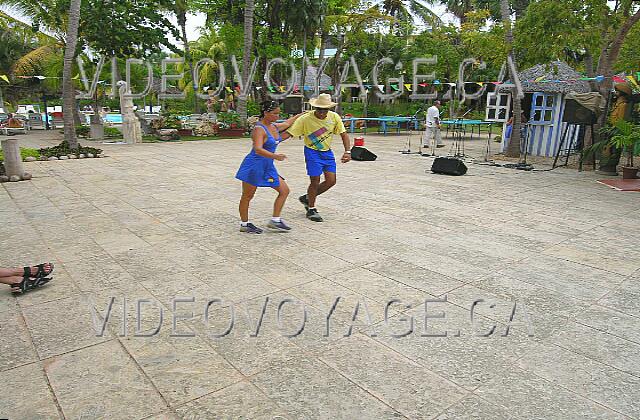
{"points": [[317, 133]]}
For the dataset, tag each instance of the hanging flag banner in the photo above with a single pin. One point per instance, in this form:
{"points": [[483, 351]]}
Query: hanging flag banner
{"points": [[395, 87], [617, 79], [633, 82], [5, 78], [408, 87]]}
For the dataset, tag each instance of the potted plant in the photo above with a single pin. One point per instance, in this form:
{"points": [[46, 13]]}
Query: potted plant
{"points": [[605, 151], [228, 123], [626, 138]]}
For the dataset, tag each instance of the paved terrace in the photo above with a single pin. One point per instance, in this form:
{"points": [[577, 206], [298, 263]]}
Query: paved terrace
{"points": [[159, 221]]}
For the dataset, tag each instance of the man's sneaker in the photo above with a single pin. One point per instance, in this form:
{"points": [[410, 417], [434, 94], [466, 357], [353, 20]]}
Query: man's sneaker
{"points": [[250, 228], [280, 226], [312, 214], [305, 201]]}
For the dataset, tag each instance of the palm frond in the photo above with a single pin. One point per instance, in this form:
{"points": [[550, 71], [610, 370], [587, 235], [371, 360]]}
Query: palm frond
{"points": [[34, 61], [424, 13]]}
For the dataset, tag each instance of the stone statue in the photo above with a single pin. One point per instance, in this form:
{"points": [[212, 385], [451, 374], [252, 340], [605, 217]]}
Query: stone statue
{"points": [[131, 131]]}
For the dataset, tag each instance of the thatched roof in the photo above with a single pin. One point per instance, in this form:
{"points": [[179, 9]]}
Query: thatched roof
{"points": [[310, 78], [156, 87], [556, 70]]}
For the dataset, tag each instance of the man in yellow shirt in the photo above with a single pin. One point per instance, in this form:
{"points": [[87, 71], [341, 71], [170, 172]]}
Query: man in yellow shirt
{"points": [[318, 128]]}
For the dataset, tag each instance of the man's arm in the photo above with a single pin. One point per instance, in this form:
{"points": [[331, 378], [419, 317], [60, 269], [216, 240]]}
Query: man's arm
{"points": [[346, 142]]}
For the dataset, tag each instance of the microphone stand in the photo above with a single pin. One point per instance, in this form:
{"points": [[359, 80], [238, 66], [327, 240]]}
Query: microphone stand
{"points": [[459, 138], [408, 142]]}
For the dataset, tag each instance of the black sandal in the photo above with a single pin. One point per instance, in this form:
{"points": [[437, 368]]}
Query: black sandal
{"points": [[29, 283], [39, 273]]}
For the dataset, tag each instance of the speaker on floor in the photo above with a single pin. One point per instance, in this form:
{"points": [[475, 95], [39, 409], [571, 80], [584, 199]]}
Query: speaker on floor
{"points": [[361, 153], [293, 104], [448, 166], [574, 113]]}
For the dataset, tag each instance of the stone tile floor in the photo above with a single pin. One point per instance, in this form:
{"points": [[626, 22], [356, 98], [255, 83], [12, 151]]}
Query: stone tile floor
{"points": [[155, 226]]}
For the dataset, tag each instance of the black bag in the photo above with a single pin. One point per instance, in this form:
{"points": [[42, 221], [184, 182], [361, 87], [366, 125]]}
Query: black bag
{"points": [[360, 153], [448, 166]]}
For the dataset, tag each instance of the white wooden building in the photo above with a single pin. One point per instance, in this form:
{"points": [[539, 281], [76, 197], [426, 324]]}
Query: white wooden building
{"points": [[543, 106]]}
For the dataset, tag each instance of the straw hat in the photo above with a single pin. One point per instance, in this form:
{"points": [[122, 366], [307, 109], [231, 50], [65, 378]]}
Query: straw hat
{"points": [[322, 101]]}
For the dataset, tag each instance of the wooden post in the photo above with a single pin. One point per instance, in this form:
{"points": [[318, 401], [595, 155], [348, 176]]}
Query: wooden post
{"points": [[12, 158]]}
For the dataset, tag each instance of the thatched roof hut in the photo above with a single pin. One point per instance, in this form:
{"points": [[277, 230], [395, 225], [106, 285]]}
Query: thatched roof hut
{"points": [[556, 70], [310, 78]]}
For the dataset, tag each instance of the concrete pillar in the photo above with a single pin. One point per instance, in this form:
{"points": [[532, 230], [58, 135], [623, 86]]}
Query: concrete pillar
{"points": [[12, 158]]}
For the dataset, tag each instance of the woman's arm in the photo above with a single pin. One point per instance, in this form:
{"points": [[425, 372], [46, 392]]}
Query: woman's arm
{"points": [[258, 136], [288, 123]]}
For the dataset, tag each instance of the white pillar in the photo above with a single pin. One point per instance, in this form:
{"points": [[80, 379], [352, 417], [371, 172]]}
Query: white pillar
{"points": [[12, 158]]}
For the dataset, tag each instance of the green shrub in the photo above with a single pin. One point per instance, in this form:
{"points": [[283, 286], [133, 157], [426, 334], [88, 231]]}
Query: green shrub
{"points": [[63, 149], [112, 132], [82, 131]]}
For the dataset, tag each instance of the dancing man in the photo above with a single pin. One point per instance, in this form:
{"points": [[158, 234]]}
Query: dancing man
{"points": [[318, 128]]}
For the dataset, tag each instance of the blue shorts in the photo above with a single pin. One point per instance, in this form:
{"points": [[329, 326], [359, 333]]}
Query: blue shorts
{"points": [[319, 162]]}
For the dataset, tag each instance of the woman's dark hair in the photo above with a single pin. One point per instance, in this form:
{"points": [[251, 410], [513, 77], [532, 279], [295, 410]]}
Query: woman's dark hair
{"points": [[268, 106]]}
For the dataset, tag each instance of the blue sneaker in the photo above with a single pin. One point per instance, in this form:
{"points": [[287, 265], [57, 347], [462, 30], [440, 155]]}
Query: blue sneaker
{"points": [[250, 228], [279, 226]]}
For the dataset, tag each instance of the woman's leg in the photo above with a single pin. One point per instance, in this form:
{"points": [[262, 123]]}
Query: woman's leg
{"points": [[248, 191], [283, 192], [19, 271], [12, 281], [10, 272]]}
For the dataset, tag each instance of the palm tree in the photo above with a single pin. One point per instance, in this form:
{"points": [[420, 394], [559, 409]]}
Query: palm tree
{"points": [[246, 60], [410, 11], [180, 9], [68, 90], [513, 149], [459, 8], [306, 18]]}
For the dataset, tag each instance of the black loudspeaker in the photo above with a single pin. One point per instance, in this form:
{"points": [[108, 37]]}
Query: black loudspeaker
{"points": [[360, 153], [448, 166], [293, 104], [574, 113]]}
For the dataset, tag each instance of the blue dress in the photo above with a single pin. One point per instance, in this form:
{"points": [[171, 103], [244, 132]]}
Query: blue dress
{"points": [[258, 170]]}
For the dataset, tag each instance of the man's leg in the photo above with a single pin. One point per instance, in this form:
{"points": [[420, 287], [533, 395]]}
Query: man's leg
{"points": [[312, 190], [428, 134], [316, 187]]}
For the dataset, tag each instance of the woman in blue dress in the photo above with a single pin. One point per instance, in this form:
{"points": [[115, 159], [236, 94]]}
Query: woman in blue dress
{"points": [[258, 168]]}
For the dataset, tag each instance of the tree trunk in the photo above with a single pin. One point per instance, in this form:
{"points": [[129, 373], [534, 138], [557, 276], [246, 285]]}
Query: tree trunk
{"points": [[68, 91], [514, 146], [609, 56], [182, 21], [246, 60], [303, 70]]}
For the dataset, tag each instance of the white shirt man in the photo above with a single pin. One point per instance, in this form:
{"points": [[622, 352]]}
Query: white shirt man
{"points": [[433, 126]]}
